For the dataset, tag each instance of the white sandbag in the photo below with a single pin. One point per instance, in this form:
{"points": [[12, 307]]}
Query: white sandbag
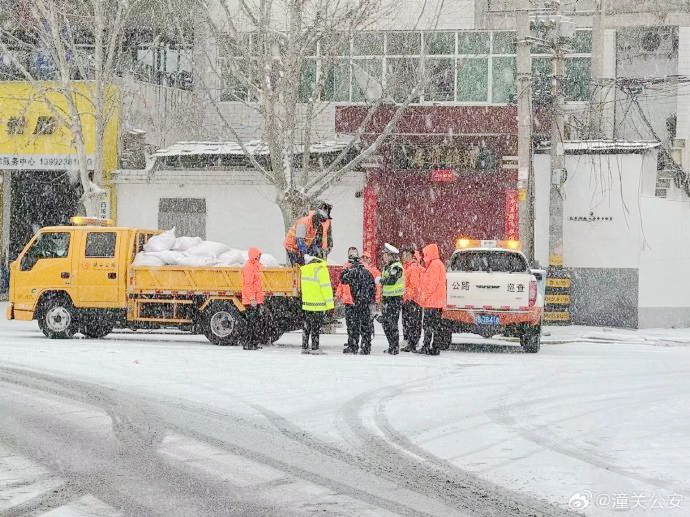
{"points": [[169, 257], [231, 258], [269, 261], [161, 242], [192, 261], [208, 249], [185, 243], [147, 259]]}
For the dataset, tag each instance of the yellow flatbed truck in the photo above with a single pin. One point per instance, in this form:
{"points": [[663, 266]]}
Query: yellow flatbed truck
{"points": [[80, 279]]}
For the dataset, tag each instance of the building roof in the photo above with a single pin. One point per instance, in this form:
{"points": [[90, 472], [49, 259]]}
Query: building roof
{"points": [[601, 146], [255, 147]]}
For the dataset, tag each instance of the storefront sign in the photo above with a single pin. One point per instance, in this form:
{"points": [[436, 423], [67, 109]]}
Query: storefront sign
{"points": [[512, 215], [370, 207], [104, 206], [443, 175], [43, 162]]}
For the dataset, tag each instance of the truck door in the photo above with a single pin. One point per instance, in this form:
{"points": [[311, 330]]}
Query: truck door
{"points": [[99, 282], [46, 264]]}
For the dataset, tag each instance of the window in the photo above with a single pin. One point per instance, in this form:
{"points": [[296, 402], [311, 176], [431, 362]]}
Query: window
{"points": [[403, 44], [504, 70], [368, 44], [441, 75], [45, 126], [473, 80], [440, 43], [402, 74], [504, 42], [47, 246], [307, 80], [473, 43], [16, 125], [366, 79], [582, 44], [100, 244], [337, 86], [187, 215], [577, 78]]}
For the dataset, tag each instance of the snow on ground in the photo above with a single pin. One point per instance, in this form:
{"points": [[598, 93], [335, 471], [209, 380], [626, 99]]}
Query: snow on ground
{"points": [[599, 420]]}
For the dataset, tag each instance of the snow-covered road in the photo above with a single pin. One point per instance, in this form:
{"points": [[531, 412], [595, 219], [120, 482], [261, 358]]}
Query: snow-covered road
{"points": [[163, 424]]}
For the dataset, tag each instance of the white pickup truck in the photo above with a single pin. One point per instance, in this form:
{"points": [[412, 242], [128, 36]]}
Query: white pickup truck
{"points": [[491, 291]]}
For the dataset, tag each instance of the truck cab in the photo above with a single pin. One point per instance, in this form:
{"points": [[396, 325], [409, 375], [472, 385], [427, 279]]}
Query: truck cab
{"points": [[492, 290]]}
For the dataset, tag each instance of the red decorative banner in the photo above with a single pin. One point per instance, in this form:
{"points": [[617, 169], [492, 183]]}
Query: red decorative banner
{"points": [[512, 215], [370, 216], [443, 175]]}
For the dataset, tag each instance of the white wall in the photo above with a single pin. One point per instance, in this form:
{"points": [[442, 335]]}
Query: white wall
{"points": [[594, 186], [665, 260], [241, 215]]}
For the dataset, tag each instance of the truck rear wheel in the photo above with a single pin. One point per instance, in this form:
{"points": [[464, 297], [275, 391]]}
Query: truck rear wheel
{"points": [[57, 318], [221, 322], [531, 340]]}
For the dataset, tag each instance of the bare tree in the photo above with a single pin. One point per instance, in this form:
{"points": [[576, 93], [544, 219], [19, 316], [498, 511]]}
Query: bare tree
{"points": [[281, 58], [79, 42]]}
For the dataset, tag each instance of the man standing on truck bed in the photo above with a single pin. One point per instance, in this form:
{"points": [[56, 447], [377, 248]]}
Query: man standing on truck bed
{"points": [[252, 297], [311, 234], [393, 287], [317, 298], [433, 297]]}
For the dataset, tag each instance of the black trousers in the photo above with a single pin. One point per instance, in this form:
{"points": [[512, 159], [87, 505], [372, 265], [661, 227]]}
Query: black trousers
{"points": [[312, 328], [359, 327], [253, 329], [412, 323], [432, 324], [390, 314]]}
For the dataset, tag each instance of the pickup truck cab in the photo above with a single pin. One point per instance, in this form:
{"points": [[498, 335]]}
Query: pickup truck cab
{"points": [[80, 278], [491, 291]]}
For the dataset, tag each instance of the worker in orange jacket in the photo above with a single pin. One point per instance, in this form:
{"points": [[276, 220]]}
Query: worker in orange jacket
{"points": [[433, 297], [310, 234], [253, 297], [411, 310]]}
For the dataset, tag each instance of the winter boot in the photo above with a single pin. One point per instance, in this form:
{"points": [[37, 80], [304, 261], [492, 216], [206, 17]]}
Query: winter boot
{"points": [[317, 351], [424, 350], [409, 348], [350, 350], [365, 351], [305, 350]]}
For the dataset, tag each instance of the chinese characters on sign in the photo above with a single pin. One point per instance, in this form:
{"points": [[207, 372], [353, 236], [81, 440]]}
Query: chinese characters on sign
{"points": [[45, 162], [443, 175], [511, 217]]}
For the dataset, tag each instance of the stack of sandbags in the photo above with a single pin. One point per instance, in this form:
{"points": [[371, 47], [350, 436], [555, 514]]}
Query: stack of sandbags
{"points": [[165, 249]]}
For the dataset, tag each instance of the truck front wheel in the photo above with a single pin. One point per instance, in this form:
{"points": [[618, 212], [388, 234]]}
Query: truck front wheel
{"points": [[531, 340], [221, 323], [57, 318]]}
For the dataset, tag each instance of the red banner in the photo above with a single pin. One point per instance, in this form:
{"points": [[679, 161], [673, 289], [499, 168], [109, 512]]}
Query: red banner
{"points": [[443, 175], [370, 216], [512, 215]]}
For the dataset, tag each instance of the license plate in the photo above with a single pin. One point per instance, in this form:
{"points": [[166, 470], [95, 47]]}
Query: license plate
{"points": [[487, 319]]}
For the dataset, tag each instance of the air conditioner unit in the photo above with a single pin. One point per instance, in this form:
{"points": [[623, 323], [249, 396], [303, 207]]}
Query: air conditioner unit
{"points": [[656, 41], [663, 185]]}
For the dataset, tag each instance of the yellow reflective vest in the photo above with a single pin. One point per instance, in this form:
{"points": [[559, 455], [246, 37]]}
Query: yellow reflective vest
{"points": [[317, 291]]}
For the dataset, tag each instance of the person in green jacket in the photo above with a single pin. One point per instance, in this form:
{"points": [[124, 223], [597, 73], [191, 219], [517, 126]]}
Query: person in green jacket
{"points": [[317, 298]]}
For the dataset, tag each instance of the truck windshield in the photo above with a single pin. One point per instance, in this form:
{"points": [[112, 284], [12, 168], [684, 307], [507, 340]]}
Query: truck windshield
{"points": [[489, 261]]}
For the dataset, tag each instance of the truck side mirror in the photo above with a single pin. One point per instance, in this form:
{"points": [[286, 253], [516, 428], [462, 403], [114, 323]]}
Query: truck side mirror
{"points": [[539, 274]]}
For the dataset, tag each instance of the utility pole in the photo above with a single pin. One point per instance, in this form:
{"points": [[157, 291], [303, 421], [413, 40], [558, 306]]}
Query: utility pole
{"points": [[524, 114], [557, 159]]}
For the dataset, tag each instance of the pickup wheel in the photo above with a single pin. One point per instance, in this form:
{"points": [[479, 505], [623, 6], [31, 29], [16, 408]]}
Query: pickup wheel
{"points": [[531, 340], [220, 324], [57, 318]]}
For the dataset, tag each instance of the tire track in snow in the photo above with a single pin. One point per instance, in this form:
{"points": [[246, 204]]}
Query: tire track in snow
{"points": [[464, 491]]}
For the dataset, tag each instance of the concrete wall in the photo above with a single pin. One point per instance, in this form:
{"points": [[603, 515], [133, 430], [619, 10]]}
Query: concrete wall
{"points": [[240, 208], [611, 283]]}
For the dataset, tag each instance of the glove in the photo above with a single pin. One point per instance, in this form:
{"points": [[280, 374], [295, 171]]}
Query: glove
{"points": [[377, 280], [302, 246], [253, 303], [372, 310]]}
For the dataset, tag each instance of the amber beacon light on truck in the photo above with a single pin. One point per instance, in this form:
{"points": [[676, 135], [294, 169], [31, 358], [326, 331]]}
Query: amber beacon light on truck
{"points": [[90, 221], [466, 242]]}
